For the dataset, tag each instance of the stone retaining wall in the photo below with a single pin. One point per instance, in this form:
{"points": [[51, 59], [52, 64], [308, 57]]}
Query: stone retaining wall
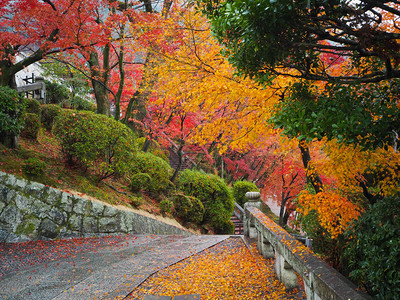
{"points": [[30, 210]]}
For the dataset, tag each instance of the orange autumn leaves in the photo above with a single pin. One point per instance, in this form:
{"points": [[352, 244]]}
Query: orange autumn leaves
{"points": [[226, 271], [196, 81], [195, 78], [344, 167], [335, 212]]}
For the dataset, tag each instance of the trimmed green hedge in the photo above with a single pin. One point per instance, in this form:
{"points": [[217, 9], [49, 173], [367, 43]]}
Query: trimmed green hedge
{"points": [[33, 106], [96, 141], [31, 127], [159, 171], [33, 167], [188, 208], [239, 190], [215, 195], [141, 182], [49, 113], [12, 108]]}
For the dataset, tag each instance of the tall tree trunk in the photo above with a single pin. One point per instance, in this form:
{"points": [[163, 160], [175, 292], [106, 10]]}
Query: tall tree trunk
{"points": [[7, 76], [312, 175], [121, 80], [137, 103], [100, 76]]}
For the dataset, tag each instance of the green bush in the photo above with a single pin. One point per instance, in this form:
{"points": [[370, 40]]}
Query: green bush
{"points": [[136, 200], [166, 206], [213, 192], [158, 170], [12, 108], [141, 182], [373, 250], [239, 190], [49, 113], [31, 127], [79, 103], [188, 208], [56, 93], [226, 227], [96, 141], [33, 106], [33, 167]]}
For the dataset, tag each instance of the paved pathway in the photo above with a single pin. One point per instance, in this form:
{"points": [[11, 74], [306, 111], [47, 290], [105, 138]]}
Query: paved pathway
{"points": [[110, 272]]}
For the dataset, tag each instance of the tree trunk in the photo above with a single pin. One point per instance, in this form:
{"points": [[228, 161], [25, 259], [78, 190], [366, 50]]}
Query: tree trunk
{"points": [[282, 209], [312, 175], [146, 145], [137, 103], [7, 78], [121, 77], [100, 77], [9, 140]]}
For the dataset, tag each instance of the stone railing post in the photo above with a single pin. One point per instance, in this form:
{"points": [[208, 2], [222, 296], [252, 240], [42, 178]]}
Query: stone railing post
{"points": [[285, 272], [248, 222]]}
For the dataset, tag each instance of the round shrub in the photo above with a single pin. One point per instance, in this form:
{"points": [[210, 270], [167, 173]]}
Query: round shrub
{"points": [[188, 208], [96, 141], [49, 113], [31, 127], [33, 167], [12, 108], [239, 190], [166, 206], [226, 227], [140, 182], [79, 103], [159, 171], [135, 200], [213, 192], [56, 93], [373, 249], [33, 106]]}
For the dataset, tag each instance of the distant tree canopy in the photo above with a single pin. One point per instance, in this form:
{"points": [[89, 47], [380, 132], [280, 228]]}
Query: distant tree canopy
{"points": [[288, 37]]}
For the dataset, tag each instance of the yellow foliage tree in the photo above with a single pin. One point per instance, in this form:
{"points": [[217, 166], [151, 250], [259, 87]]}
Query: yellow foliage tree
{"points": [[196, 78]]}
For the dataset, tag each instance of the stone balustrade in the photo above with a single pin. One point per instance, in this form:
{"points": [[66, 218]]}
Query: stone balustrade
{"points": [[321, 282]]}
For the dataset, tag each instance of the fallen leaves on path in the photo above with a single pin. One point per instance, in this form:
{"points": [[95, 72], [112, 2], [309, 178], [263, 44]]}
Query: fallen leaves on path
{"points": [[17, 256], [226, 271]]}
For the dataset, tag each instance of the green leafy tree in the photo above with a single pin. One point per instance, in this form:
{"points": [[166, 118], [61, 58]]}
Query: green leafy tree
{"points": [[265, 37], [12, 108], [372, 252], [364, 114]]}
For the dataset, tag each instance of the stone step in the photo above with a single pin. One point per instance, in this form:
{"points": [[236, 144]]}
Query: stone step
{"points": [[238, 225]]}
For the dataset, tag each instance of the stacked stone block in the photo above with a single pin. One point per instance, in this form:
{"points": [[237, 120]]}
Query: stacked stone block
{"points": [[30, 210]]}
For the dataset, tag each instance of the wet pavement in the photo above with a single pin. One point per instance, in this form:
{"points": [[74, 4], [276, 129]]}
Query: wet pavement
{"points": [[108, 269], [138, 267]]}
